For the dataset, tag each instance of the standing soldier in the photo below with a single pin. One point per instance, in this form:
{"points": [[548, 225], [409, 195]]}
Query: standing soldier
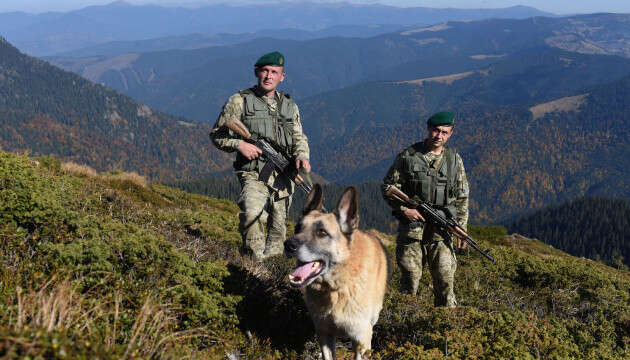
{"points": [[273, 116], [434, 173]]}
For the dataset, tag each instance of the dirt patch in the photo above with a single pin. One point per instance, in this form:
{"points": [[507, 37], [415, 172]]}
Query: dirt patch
{"points": [[446, 79], [438, 27], [486, 56], [571, 103], [429, 41], [94, 71]]}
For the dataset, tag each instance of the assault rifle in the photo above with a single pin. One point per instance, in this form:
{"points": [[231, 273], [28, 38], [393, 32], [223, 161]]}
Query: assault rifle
{"points": [[446, 225], [273, 157]]}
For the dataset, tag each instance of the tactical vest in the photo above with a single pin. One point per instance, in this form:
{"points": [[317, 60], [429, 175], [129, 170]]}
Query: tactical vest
{"points": [[435, 186], [276, 127]]}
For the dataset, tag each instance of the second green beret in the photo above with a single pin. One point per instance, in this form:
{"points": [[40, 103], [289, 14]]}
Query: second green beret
{"points": [[442, 118], [273, 58]]}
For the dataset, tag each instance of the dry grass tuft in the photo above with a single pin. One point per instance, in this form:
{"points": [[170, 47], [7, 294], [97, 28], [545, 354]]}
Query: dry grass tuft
{"points": [[118, 176], [79, 170], [51, 308], [132, 177], [57, 306]]}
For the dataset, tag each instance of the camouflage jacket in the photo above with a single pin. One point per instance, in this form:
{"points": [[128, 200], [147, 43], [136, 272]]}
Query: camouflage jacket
{"points": [[397, 176], [224, 139]]}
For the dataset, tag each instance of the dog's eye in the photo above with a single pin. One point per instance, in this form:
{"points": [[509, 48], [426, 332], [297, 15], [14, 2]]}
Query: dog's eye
{"points": [[322, 233]]}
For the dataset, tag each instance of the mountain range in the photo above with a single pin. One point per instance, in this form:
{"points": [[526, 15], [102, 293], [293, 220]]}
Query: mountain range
{"points": [[195, 83], [535, 120], [55, 32]]}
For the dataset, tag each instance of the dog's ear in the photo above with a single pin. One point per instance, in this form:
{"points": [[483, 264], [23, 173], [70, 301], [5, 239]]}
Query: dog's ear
{"points": [[347, 211], [314, 200]]}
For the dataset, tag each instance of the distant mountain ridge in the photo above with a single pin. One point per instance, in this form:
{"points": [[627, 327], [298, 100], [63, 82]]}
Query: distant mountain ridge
{"points": [[56, 32], [197, 41]]}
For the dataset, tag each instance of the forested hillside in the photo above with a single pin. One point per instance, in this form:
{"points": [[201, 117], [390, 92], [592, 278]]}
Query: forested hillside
{"points": [[528, 78], [375, 214], [110, 266], [596, 228], [48, 111], [534, 150]]}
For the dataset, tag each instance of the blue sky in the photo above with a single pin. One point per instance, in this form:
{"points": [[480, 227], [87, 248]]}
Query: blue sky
{"points": [[555, 6]]}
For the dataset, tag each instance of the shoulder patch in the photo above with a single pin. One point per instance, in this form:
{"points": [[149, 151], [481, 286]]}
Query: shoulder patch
{"points": [[246, 92], [414, 148]]}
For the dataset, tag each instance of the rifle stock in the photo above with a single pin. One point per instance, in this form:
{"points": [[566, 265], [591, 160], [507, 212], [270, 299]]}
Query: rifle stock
{"points": [[433, 216], [394, 193], [239, 128]]}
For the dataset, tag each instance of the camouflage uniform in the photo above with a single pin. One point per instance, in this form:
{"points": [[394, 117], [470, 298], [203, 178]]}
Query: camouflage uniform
{"points": [[262, 204], [417, 243]]}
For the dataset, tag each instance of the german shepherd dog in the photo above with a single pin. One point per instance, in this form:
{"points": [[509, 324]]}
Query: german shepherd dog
{"points": [[342, 272]]}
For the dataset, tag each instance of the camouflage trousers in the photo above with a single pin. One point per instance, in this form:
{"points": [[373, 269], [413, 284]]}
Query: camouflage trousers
{"points": [[261, 210], [412, 252]]}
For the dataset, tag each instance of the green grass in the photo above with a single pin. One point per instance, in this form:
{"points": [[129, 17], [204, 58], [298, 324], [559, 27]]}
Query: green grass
{"points": [[98, 267]]}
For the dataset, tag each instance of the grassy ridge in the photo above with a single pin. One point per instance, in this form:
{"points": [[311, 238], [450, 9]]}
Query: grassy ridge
{"points": [[107, 266], [102, 265]]}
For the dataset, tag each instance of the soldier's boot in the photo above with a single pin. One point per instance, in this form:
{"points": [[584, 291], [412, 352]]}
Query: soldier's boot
{"points": [[443, 274], [277, 229], [254, 247], [410, 281], [252, 232], [409, 259]]}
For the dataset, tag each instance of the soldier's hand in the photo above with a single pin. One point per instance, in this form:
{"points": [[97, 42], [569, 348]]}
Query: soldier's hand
{"points": [[461, 243], [250, 151], [413, 215], [303, 163]]}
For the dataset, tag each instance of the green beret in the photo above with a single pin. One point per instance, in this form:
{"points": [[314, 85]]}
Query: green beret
{"points": [[273, 58], [442, 118]]}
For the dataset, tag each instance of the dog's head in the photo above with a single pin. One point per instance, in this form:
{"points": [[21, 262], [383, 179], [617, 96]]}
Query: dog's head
{"points": [[321, 239]]}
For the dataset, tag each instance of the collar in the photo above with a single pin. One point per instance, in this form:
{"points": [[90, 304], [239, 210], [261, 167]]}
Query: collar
{"points": [[259, 93], [426, 150]]}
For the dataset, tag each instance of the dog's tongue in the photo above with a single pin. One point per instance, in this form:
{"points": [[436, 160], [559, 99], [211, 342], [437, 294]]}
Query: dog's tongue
{"points": [[303, 272]]}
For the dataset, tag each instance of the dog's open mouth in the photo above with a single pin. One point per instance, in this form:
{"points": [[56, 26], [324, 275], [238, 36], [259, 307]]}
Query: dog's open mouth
{"points": [[305, 272]]}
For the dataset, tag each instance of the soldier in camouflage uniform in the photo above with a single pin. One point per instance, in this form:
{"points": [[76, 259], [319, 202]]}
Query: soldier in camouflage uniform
{"points": [[273, 116], [434, 173]]}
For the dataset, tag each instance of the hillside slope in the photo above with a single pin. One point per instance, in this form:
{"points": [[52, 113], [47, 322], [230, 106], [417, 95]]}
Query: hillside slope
{"points": [[597, 228], [101, 265], [48, 111], [525, 142]]}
